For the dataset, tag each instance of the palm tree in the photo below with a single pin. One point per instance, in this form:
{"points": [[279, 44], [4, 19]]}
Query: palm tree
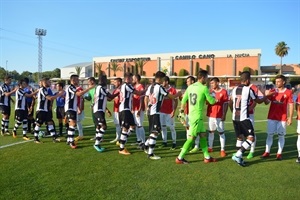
{"points": [[77, 71], [281, 50], [98, 67], [140, 64], [114, 66]]}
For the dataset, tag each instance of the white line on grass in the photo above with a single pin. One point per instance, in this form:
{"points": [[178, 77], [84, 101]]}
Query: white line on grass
{"points": [[8, 145]]}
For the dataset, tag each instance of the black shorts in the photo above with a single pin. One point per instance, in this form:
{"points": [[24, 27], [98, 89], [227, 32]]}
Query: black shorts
{"points": [[126, 119], [60, 112], [100, 118], [20, 115], [244, 128], [71, 115], [42, 117], [154, 123], [5, 110]]}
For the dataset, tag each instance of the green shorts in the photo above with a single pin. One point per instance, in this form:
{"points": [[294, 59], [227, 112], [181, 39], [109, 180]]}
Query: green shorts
{"points": [[197, 127]]}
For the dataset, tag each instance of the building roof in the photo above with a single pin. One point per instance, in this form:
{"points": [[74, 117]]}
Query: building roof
{"points": [[83, 64]]}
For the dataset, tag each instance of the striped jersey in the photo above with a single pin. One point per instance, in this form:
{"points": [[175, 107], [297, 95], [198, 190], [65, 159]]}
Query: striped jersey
{"points": [[4, 100], [42, 101], [241, 96], [71, 98], [100, 99], [156, 94], [126, 91], [20, 99]]}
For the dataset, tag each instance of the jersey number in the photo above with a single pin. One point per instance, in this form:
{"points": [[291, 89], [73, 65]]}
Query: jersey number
{"points": [[193, 98], [152, 99], [237, 104]]}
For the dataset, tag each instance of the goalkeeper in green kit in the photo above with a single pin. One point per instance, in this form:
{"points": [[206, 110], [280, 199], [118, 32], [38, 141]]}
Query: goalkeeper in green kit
{"points": [[196, 96]]}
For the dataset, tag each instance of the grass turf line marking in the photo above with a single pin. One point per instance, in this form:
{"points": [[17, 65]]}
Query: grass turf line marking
{"points": [[8, 145]]}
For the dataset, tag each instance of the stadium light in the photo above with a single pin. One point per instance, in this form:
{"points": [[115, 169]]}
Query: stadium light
{"points": [[40, 32]]}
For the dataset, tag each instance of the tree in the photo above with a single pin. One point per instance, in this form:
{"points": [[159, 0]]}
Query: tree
{"points": [[99, 71], [180, 81], [197, 68], [140, 65], [78, 70], [56, 73], [281, 50], [114, 66]]}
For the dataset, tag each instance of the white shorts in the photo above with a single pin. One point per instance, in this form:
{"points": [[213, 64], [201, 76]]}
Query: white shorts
{"points": [[298, 126], [116, 118], [215, 124], [275, 126], [251, 117], [166, 120], [139, 120], [80, 116]]}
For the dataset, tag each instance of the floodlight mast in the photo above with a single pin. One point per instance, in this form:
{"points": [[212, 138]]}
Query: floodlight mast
{"points": [[40, 32]]}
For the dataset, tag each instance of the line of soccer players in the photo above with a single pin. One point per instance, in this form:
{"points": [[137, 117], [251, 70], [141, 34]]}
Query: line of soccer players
{"points": [[159, 100]]}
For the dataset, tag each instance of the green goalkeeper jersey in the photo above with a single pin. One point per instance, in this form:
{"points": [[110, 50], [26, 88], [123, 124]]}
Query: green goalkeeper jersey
{"points": [[196, 95]]}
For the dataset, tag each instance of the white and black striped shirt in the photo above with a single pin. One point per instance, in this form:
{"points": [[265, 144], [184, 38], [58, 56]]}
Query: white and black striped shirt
{"points": [[156, 94], [241, 96], [4, 100], [20, 100], [126, 91], [71, 98], [100, 99], [42, 101]]}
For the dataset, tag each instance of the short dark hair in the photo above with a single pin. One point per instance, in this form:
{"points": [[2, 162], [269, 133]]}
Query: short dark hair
{"points": [[21, 81], [280, 76], [45, 79], [138, 77], [202, 73], [166, 79], [245, 76], [192, 78], [159, 74], [7, 77], [118, 79], [102, 80], [61, 84], [215, 79], [92, 79], [128, 75], [74, 76], [26, 80]]}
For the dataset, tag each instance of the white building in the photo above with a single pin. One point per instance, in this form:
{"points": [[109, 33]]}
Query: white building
{"points": [[86, 70]]}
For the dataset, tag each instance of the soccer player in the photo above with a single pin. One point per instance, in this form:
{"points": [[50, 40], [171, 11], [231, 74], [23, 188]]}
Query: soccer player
{"points": [[196, 95], [21, 112], [42, 111], [298, 126], [279, 116], [90, 97], [239, 105], [251, 117], [117, 82], [60, 111], [5, 98], [167, 112], [30, 102], [138, 108], [126, 117], [71, 107], [217, 115], [99, 108], [153, 101], [80, 114]]}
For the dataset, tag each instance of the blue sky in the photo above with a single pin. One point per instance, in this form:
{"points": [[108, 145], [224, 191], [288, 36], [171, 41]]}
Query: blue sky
{"points": [[78, 30]]}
